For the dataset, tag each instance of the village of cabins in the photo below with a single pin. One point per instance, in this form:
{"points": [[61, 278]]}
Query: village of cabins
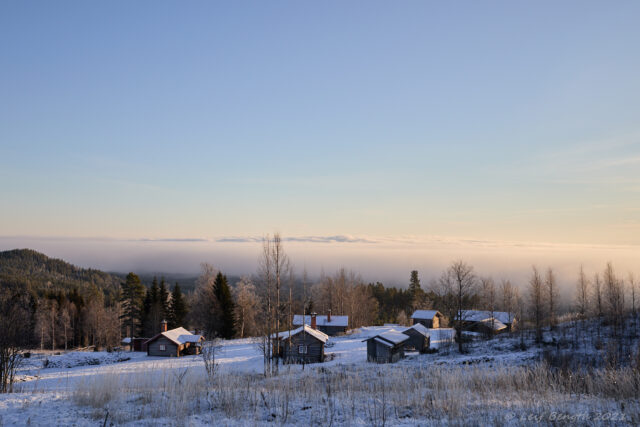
{"points": [[306, 343]]}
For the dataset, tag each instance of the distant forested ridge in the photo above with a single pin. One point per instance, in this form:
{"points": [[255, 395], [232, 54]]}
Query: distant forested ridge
{"points": [[34, 272]]}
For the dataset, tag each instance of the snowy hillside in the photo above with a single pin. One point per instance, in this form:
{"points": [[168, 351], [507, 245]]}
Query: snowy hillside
{"points": [[132, 389]]}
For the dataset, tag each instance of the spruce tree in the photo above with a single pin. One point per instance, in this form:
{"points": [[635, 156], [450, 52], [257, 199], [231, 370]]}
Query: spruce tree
{"points": [[415, 291], [133, 293], [225, 301], [163, 296], [178, 308]]}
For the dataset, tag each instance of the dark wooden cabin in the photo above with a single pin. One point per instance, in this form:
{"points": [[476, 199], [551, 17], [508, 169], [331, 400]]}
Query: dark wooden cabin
{"points": [[387, 347], [327, 324], [302, 345], [430, 319], [419, 338], [174, 343]]}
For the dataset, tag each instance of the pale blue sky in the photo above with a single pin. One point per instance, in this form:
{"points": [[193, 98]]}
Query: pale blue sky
{"points": [[511, 120]]}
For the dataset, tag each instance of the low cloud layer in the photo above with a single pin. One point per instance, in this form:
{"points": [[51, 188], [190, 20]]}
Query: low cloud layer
{"points": [[387, 259]]}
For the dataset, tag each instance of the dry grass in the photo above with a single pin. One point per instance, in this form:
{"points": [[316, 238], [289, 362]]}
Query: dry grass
{"points": [[366, 394]]}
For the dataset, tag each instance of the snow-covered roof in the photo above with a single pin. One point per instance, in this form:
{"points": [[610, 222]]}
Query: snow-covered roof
{"points": [[321, 320], [393, 337], [480, 315], [180, 336], [420, 328], [497, 325], [306, 328], [424, 314], [383, 342]]}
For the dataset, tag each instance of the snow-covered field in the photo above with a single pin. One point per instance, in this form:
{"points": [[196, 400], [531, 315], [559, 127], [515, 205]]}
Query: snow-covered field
{"points": [[129, 388]]}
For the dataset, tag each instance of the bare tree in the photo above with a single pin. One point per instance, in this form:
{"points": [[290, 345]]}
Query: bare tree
{"points": [[614, 297], [632, 287], [274, 267], [508, 299], [459, 281], [246, 302], [536, 301], [489, 299], [551, 296], [582, 294]]}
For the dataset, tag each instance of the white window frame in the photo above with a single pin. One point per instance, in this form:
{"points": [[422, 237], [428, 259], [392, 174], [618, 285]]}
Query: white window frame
{"points": [[163, 347], [303, 349]]}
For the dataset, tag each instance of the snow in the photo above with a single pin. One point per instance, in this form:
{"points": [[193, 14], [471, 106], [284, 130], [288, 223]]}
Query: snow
{"points": [[45, 396], [321, 320], [394, 337]]}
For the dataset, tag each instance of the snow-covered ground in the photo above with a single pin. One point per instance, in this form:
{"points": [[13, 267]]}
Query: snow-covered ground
{"points": [[51, 387]]}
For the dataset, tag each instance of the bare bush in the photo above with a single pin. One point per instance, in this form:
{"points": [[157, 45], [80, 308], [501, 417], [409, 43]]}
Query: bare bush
{"points": [[209, 351]]}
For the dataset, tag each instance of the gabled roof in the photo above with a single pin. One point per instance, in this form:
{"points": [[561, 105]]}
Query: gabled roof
{"points": [[321, 336], [480, 315], [419, 327], [425, 314], [179, 336], [497, 325], [392, 338], [321, 320]]}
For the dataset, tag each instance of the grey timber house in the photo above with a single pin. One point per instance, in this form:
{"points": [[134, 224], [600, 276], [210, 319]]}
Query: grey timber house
{"points": [[328, 324], [302, 345], [174, 343]]}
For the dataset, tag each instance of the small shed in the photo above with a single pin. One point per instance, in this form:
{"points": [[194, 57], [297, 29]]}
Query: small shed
{"points": [[302, 345], [431, 319], [419, 338], [387, 347], [174, 343], [327, 324]]}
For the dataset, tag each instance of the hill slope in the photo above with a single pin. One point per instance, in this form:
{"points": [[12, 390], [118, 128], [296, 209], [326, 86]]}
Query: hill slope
{"points": [[26, 269]]}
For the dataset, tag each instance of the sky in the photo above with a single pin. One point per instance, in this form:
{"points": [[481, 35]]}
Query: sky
{"points": [[154, 135]]}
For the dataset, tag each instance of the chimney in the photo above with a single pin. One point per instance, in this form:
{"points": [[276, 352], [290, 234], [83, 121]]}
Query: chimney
{"points": [[163, 326], [313, 321], [328, 316]]}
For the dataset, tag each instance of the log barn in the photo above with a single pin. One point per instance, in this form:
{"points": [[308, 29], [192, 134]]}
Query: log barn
{"points": [[430, 319], [419, 338]]}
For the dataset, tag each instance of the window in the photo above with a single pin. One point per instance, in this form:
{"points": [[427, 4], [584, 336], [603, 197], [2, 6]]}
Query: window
{"points": [[163, 347], [302, 349]]}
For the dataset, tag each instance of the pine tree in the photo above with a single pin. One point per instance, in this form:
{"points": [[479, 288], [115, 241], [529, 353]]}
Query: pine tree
{"points": [[133, 293], [178, 308], [225, 301]]}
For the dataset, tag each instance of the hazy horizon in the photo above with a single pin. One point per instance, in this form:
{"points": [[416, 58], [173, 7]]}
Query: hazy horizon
{"points": [[384, 259]]}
